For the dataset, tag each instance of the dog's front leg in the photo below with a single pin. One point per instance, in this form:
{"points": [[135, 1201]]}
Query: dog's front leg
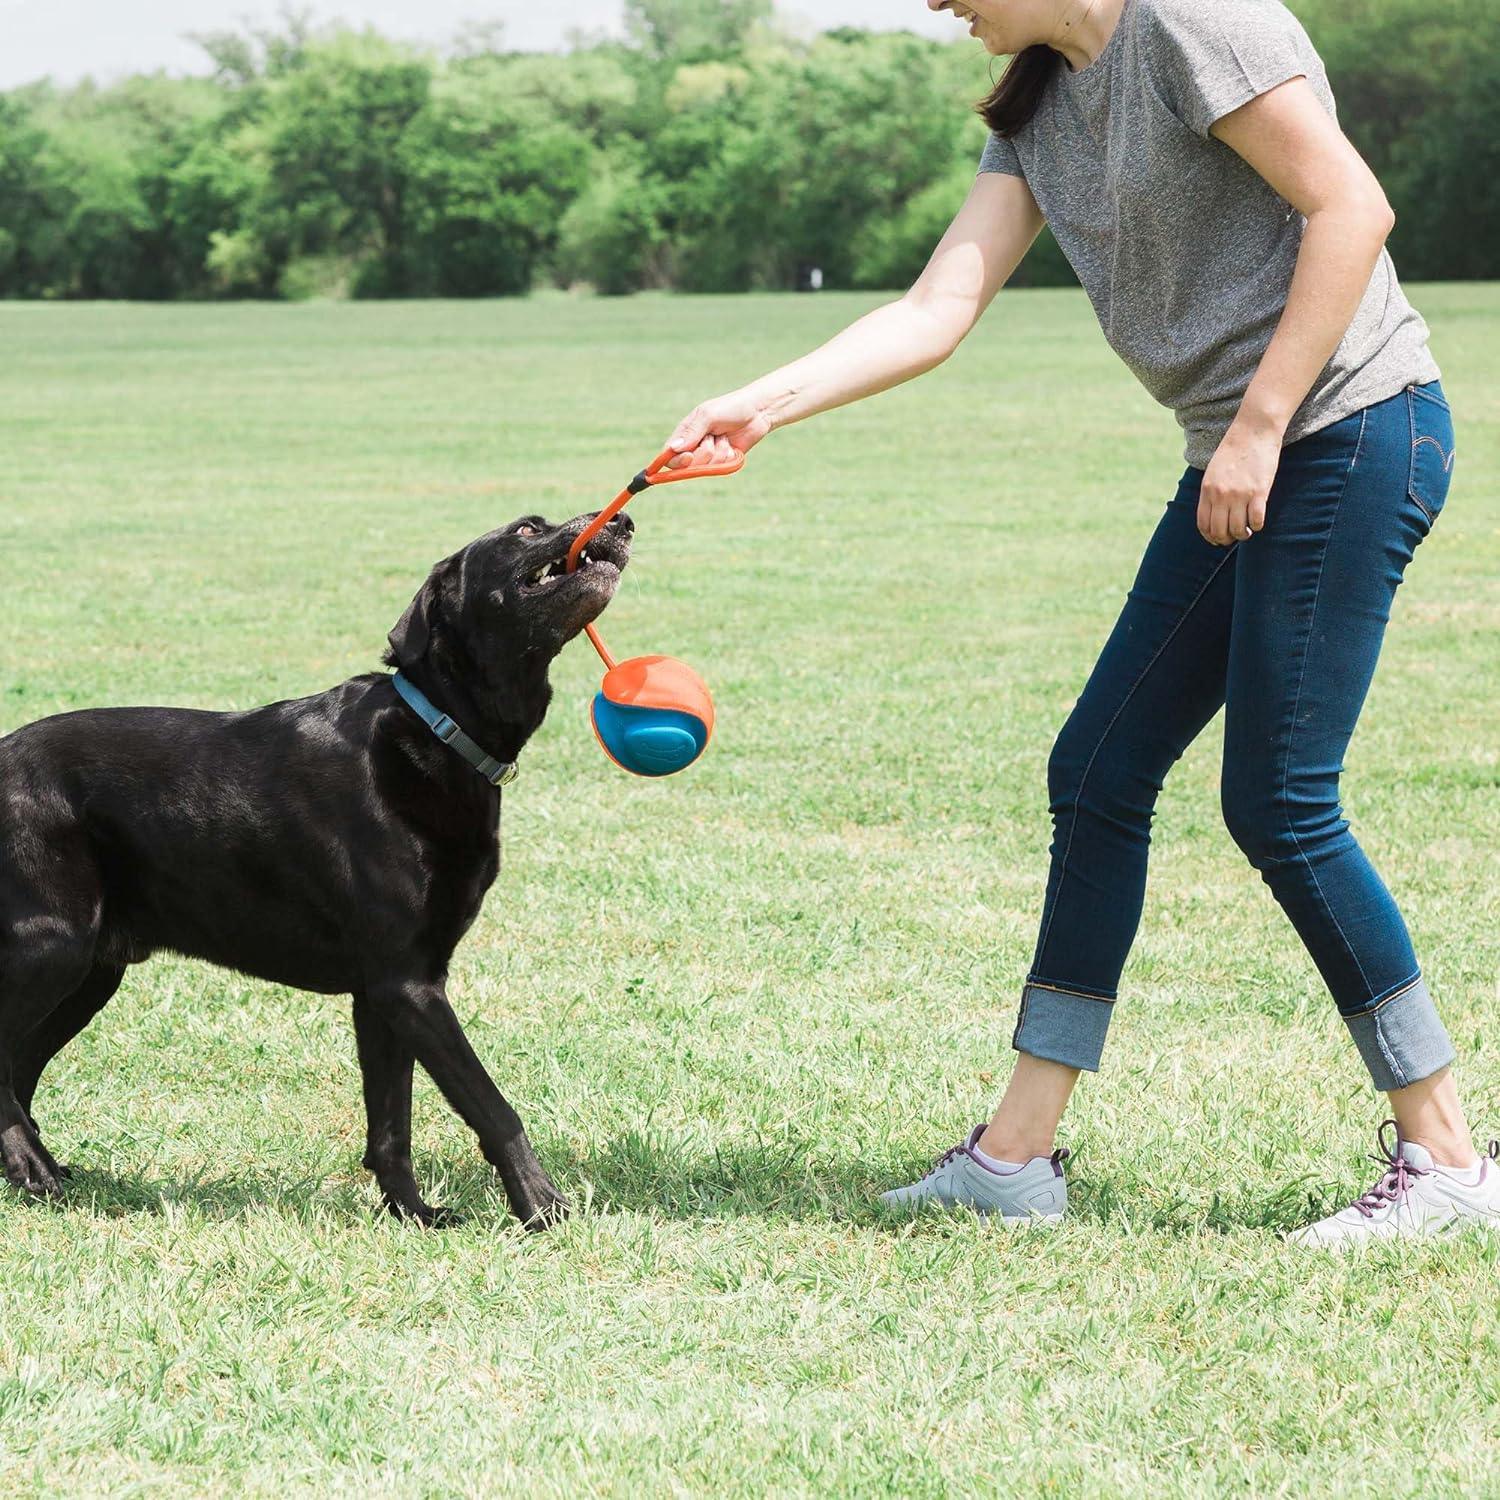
{"points": [[423, 1021], [385, 1064]]}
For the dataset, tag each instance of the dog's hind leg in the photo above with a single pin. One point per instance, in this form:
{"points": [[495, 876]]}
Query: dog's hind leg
{"points": [[422, 1019], [28, 991], [385, 1065], [59, 1028], [50, 903]]}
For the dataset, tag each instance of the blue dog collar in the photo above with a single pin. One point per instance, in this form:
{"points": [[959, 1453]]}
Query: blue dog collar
{"points": [[496, 772]]}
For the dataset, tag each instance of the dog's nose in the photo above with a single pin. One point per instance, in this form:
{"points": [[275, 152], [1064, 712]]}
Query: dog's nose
{"points": [[623, 524]]}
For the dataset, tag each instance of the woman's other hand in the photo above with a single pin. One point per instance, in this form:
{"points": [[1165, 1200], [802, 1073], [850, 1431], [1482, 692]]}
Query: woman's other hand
{"points": [[715, 430], [1237, 483]]}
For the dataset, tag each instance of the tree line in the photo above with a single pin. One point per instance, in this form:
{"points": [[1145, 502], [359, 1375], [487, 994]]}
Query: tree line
{"points": [[713, 149]]}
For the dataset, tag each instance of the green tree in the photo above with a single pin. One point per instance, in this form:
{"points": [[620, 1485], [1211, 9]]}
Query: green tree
{"points": [[689, 29], [489, 178], [612, 236], [1418, 87], [708, 152], [794, 166], [335, 125], [35, 201], [595, 94]]}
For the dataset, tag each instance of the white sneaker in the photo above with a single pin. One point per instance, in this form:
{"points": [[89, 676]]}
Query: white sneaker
{"points": [[1035, 1192], [1414, 1197]]}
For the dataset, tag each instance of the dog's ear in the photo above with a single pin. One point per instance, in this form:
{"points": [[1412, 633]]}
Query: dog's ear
{"points": [[412, 633]]}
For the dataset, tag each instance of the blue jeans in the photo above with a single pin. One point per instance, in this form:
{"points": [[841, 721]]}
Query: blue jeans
{"points": [[1282, 632]]}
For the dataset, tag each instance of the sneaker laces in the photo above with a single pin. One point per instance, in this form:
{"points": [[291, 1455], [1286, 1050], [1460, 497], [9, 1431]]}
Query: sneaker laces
{"points": [[963, 1148], [1398, 1176]]}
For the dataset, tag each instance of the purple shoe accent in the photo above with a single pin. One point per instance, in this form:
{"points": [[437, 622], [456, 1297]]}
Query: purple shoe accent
{"points": [[1413, 1197], [1493, 1154], [966, 1148], [1399, 1174]]}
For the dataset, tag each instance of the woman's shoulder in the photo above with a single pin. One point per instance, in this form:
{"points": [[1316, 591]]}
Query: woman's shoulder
{"points": [[1194, 23], [1204, 60]]}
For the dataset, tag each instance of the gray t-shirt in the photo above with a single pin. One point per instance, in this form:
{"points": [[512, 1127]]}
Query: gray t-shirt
{"points": [[1185, 250]]}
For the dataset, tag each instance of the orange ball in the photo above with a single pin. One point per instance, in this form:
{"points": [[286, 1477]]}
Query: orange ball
{"points": [[653, 715]]}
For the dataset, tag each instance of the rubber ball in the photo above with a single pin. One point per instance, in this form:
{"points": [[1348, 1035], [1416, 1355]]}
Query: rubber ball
{"points": [[653, 715]]}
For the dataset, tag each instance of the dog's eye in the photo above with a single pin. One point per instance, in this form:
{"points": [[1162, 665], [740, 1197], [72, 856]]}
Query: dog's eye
{"points": [[525, 530]]}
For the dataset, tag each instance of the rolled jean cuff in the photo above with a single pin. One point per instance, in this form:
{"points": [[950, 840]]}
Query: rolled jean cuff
{"points": [[1063, 1026], [1401, 1038]]}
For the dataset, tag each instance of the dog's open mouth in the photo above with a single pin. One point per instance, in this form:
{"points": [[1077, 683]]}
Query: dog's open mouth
{"points": [[553, 571], [600, 562]]}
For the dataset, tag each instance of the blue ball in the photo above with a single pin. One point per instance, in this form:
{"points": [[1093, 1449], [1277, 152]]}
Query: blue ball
{"points": [[648, 741]]}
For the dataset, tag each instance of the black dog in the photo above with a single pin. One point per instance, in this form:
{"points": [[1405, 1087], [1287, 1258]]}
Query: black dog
{"points": [[333, 843]]}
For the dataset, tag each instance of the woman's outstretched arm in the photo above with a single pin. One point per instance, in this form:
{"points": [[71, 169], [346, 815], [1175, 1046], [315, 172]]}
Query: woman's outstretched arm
{"points": [[975, 258]]}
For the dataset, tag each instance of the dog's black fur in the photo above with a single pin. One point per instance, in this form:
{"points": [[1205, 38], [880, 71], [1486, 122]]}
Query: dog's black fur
{"points": [[332, 843]]}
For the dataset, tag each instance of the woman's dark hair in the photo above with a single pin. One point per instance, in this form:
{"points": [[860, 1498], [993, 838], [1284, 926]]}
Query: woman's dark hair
{"points": [[1013, 101]]}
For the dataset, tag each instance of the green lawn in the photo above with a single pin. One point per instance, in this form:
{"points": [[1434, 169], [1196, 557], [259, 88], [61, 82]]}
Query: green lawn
{"points": [[733, 1006]]}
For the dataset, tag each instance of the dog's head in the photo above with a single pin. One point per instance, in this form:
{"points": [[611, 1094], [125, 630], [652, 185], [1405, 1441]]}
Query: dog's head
{"points": [[507, 601]]}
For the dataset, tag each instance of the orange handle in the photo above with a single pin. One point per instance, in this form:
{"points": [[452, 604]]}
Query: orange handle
{"points": [[656, 472]]}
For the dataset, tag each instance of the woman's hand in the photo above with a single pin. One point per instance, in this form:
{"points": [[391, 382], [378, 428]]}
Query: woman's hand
{"points": [[1232, 501], [714, 431]]}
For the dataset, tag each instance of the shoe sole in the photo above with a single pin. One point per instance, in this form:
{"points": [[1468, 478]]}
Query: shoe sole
{"points": [[1464, 1224], [989, 1215]]}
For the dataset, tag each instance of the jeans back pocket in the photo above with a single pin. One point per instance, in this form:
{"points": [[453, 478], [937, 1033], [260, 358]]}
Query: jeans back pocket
{"points": [[1432, 449]]}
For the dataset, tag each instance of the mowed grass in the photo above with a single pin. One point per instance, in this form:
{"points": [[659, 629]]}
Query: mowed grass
{"points": [[734, 1006]]}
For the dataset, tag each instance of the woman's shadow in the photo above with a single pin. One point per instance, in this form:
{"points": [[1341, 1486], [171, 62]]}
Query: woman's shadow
{"points": [[797, 1181]]}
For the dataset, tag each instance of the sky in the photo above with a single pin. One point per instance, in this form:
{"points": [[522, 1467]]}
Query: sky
{"points": [[105, 39]]}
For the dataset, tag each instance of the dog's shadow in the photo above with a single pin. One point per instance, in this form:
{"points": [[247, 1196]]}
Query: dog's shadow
{"points": [[633, 1173], [785, 1180], [626, 1175], [221, 1196]]}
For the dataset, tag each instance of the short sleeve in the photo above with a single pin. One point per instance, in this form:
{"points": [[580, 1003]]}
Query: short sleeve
{"points": [[1209, 59], [1000, 155]]}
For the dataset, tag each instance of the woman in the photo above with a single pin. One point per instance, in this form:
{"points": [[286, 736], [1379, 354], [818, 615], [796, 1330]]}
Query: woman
{"points": [[1186, 157]]}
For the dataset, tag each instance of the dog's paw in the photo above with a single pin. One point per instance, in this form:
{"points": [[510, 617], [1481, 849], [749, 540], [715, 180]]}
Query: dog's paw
{"points": [[414, 1211], [62, 1169], [545, 1214], [28, 1164]]}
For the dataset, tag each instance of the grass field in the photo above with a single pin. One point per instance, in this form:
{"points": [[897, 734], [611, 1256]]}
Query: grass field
{"points": [[734, 1006]]}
